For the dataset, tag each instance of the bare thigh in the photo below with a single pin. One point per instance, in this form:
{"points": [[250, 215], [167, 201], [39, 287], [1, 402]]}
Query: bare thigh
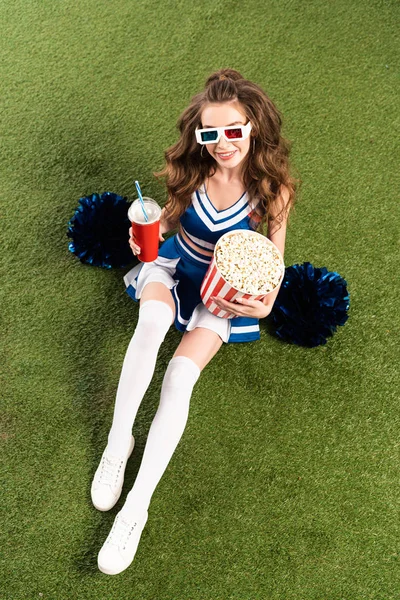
{"points": [[200, 345], [158, 291]]}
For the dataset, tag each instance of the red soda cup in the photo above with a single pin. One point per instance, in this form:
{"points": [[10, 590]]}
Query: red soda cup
{"points": [[146, 233]]}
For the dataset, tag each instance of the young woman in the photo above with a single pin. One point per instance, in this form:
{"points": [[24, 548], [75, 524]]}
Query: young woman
{"points": [[228, 170]]}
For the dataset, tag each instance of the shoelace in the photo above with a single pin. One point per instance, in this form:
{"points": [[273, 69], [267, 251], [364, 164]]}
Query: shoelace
{"points": [[110, 469], [120, 532]]}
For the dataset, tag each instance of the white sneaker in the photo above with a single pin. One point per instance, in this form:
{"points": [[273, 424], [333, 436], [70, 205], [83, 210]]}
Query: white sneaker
{"points": [[119, 549], [109, 478]]}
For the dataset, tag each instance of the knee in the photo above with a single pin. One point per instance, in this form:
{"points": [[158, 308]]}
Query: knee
{"points": [[181, 373], [174, 374], [147, 333], [155, 319]]}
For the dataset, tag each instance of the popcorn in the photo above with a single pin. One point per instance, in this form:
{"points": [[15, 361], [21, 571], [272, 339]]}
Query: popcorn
{"points": [[249, 263], [245, 264]]}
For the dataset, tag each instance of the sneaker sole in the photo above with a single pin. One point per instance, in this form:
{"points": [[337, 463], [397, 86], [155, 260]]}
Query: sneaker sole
{"points": [[108, 572]]}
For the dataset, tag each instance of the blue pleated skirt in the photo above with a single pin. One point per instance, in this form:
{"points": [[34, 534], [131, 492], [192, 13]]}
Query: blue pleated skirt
{"points": [[182, 270]]}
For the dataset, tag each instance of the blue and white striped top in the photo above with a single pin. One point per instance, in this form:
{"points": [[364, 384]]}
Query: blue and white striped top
{"points": [[204, 224], [183, 268]]}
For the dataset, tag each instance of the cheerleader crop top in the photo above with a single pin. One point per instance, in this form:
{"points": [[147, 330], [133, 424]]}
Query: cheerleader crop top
{"points": [[204, 224]]}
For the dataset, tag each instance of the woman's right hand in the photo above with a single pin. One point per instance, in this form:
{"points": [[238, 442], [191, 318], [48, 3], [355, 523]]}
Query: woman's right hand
{"points": [[132, 240]]}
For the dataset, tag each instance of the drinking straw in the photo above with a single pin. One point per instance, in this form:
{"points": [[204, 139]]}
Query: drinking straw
{"points": [[141, 200]]}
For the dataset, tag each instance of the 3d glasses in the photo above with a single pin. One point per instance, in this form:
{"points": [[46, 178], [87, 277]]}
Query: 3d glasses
{"points": [[234, 133]]}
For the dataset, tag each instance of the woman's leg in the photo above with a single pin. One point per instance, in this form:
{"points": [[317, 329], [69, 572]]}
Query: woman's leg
{"points": [[156, 314], [196, 349], [193, 353]]}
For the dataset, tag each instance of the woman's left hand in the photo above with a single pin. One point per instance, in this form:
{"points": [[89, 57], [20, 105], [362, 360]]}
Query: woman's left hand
{"points": [[256, 309]]}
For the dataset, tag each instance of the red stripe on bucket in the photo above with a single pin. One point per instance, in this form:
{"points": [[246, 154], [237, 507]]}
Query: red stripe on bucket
{"points": [[212, 270], [217, 287], [229, 295]]}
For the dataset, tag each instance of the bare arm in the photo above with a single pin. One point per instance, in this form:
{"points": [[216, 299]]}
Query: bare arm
{"points": [[277, 235], [165, 224]]}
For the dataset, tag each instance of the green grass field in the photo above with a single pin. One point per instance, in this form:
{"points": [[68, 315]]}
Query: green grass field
{"points": [[285, 485]]}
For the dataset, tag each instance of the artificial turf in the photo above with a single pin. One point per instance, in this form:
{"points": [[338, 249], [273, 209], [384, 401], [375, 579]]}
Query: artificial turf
{"points": [[285, 484]]}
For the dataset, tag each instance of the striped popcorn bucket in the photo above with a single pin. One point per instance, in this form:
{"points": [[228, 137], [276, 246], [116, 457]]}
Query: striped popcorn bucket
{"points": [[214, 283]]}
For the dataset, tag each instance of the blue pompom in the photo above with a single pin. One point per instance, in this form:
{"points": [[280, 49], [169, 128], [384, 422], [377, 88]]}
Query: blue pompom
{"points": [[310, 304], [100, 231]]}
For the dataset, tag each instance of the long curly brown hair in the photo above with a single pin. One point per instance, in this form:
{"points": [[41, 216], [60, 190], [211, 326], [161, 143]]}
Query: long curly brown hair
{"points": [[267, 165]]}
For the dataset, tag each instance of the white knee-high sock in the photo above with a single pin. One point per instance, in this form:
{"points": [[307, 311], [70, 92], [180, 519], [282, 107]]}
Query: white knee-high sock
{"points": [[165, 432], [155, 318]]}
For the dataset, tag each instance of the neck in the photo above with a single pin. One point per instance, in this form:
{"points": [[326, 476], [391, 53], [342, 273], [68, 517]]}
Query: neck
{"points": [[229, 175]]}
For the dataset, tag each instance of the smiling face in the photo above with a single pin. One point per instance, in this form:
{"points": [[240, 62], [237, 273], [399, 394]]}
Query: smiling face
{"points": [[227, 154]]}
